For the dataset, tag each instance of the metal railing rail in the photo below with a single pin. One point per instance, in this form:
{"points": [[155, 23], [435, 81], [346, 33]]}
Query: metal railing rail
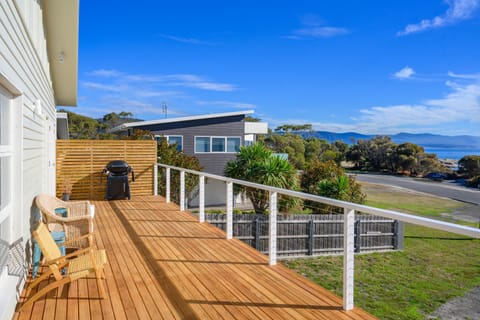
{"points": [[349, 210]]}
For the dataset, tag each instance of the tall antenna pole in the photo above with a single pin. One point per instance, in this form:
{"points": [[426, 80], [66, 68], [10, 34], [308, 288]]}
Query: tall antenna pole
{"points": [[164, 108]]}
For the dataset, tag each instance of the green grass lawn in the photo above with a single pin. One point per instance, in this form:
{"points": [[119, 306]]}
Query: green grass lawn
{"points": [[434, 267]]}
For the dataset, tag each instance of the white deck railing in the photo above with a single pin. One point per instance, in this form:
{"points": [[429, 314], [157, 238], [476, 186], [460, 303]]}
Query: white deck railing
{"points": [[349, 210]]}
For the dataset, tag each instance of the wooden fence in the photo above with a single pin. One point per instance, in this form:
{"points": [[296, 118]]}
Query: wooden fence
{"points": [[82, 162], [316, 234]]}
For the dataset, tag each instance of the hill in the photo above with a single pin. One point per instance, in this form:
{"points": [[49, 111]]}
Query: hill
{"points": [[426, 140]]}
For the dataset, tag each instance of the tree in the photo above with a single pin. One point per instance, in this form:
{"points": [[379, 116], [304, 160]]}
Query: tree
{"points": [[168, 154], [82, 127], [292, 144], [469, 166], [329, 180], [257, 164], [294, 128]]}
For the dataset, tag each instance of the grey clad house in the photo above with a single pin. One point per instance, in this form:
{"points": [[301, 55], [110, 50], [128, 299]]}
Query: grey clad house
{"points": [[213, 138]]}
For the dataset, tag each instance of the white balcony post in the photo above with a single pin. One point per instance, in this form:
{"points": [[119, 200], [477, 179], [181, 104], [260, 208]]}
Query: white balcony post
{"points": [[348, 257], [167, 185], [182, 190], [229, 200], [201, 199], [155, 179], [272, 230]]}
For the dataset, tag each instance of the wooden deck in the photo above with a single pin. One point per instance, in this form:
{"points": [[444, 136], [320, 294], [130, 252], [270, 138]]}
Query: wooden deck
{"points": [[164, 264]]}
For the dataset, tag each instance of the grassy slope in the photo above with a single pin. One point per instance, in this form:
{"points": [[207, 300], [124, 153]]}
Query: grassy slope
{"points": [[434, 267]]}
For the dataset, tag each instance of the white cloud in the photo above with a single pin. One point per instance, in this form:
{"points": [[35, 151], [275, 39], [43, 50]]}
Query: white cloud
{"points": [[456, 112], [180, 80], [198, 82], [185, 40], [106, 73], [319, 32], [404, 73], [230, 104], [104, 87], [458, 11], [464, 76], [313, 29]]}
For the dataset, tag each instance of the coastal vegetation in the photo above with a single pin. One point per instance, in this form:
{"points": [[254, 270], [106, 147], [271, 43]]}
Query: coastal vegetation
{"points": [[410, 284], [470, 167]]}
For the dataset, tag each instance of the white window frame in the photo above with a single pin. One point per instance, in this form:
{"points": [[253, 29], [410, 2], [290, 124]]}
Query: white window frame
{"points": [[211, 144], [168, 136], [6, 152]]}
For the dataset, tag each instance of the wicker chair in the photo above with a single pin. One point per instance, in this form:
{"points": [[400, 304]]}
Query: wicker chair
{"points": [[78, 264], [77, 225]]}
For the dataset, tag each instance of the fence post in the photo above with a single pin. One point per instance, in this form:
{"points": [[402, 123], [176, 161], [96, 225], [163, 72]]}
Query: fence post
{"points": [[358, 235], [201, 199], [398, 235], [182, 190], [272, 230], [167, 185], [348, 257], [257, 233], [311, 239], [155, 179], [229, 204]]}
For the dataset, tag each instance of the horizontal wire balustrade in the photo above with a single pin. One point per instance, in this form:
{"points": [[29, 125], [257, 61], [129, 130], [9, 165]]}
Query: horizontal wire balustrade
{"points": [[349, 210]]}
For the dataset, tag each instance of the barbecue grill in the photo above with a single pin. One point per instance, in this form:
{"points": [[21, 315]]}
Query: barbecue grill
{"points": [[117, 172]]}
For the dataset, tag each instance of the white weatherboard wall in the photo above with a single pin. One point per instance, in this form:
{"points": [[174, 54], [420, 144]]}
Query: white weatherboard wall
{"points": [[25, 77]]}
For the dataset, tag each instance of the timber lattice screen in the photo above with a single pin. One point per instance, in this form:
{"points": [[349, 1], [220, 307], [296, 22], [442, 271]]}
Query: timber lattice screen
{"points": [[82, 161]]}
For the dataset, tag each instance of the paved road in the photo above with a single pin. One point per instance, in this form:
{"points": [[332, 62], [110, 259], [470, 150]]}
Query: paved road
{"points": [[445, 189]]}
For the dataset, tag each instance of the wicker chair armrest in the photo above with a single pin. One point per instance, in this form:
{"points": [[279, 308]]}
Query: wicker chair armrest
{"points": [[88, 236], [78, 208], [63, 259]]}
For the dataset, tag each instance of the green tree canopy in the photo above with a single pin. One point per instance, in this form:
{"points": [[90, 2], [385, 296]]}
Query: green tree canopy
{"points": [[168, 154], [469, 166], [257, 164], [329, 180]]}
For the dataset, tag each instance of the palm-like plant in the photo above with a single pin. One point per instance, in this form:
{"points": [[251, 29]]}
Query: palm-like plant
{"points": [[257, 164]]}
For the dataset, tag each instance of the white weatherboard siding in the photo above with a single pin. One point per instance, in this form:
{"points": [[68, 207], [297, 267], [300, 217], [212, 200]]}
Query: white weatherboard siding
{"points": [[24, 74]]}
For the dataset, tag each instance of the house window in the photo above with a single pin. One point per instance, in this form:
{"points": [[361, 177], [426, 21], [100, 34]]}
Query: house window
{"points": [[233, 144], [217, 144], [202, 144], [178, 140]]}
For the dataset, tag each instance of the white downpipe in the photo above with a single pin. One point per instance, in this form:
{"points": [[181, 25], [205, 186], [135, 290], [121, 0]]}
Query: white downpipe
{"points": [[229, 199], [348, 257], [272, 230], [167, 185], [201, 200], [155, 180], [182, 190]]}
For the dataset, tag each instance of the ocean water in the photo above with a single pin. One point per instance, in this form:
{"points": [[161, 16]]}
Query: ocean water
{"points": [[452, 153]]}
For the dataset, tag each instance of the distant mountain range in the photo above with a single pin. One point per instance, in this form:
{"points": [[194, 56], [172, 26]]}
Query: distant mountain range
{"points": [[426, 140]]}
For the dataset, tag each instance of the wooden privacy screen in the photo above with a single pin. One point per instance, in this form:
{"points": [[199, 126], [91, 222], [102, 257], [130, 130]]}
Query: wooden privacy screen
{"points": [[82, 162]]}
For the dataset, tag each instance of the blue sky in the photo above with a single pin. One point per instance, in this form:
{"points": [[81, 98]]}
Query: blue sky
{"points": [[377, 67]]}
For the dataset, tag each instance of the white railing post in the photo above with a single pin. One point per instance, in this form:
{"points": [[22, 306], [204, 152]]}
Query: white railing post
{"points": [[272, 229], [229, 200], [348, 257], [167, 185], [155, 179], [182, 190], [201, 199]]}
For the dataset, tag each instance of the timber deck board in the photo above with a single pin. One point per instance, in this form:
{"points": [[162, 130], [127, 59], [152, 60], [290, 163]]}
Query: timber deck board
{"points": [[164, 264]]}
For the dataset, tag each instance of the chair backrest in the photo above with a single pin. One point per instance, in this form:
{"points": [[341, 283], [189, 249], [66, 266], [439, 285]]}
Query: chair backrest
{"points": [[47, 204], [45, 240]]}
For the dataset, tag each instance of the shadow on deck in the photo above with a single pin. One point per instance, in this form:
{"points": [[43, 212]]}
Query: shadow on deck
{"points": [[164, 264]]}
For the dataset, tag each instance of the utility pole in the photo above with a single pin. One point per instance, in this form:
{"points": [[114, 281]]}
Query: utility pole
{"points": [[164, 108]]}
